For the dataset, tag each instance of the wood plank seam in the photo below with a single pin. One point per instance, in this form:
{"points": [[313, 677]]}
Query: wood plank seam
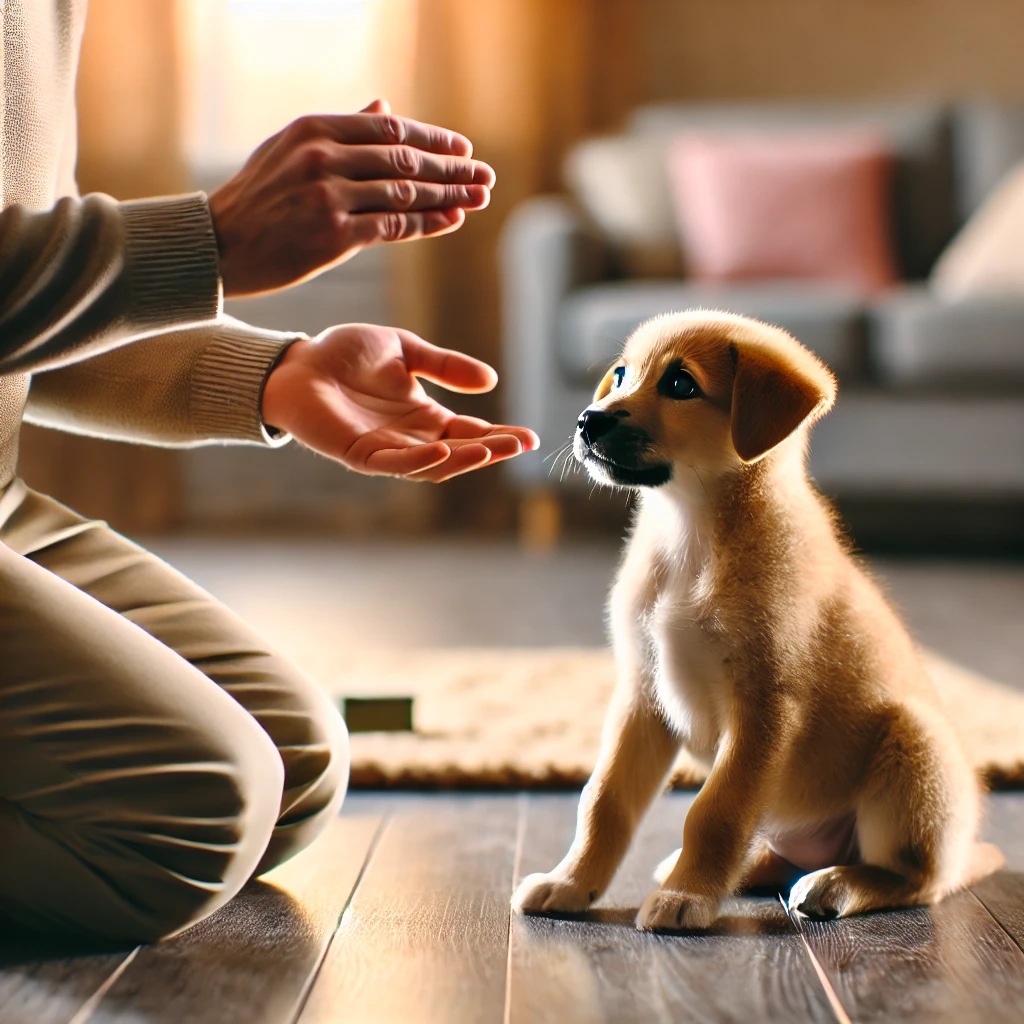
{"points": [[830, 993], [426, 935], [988, 910], [89, 1006], [517, 860], [311, 980]]}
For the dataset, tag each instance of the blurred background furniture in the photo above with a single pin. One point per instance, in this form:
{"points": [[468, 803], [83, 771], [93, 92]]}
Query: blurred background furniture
{"points": [[532, 83], [931, 406]]}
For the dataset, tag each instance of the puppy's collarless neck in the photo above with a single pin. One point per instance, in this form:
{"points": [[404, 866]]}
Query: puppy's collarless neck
{"points": [[763, 499]]}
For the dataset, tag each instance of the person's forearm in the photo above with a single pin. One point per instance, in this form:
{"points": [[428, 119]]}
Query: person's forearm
{"points": [[180, 388], [90, 274]]}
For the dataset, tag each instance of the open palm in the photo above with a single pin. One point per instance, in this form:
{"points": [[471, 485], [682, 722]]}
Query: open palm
{"points": [[353, 395]]}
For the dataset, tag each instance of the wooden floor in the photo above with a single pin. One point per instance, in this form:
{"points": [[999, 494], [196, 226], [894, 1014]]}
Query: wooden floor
{"points": [[303, 594], [400, 914]]}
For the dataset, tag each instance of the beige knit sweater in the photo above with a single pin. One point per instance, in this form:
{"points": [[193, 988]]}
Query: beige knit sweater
{"points": [[112, 311]]}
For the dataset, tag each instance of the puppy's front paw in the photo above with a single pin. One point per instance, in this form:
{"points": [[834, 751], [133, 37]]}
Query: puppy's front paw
{"points": [[669, 910], [821, 895], [551, 894]]}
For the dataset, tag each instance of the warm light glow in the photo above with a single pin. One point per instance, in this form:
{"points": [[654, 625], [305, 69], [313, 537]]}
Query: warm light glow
{"points": [[256, 65]]}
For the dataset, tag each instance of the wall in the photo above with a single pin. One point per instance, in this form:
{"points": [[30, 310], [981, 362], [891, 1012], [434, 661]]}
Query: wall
{"points": [[832, 48]]}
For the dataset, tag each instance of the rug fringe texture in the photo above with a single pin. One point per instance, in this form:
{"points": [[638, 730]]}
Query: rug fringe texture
{"points": [[501, 719]]}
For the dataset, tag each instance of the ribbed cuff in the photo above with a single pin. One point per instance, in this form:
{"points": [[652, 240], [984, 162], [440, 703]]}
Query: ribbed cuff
{"points": [[227, 384], [172, 261]]}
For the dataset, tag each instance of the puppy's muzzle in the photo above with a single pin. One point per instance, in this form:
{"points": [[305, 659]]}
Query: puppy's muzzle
{"points": [[594, 423], [615, 452]]}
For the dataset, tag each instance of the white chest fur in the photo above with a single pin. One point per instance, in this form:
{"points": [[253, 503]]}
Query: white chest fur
{"points": [[689, 669], [688, 657]]}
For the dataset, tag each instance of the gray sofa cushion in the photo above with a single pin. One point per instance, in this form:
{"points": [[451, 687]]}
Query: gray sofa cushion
{"points": [[595, 321], [989, 143], [917, 342], [876, 443], [920, 133]]}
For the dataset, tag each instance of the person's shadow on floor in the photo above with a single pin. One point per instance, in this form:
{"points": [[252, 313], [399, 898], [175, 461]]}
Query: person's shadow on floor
{"points": [[253, 952]]}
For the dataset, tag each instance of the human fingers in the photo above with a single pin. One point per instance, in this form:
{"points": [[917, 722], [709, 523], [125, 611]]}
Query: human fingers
{"points": [[382, 196], [462, 460], [370, 228], [377, 106], [452, 370], [379, 129], [528, 438], [369, 163], [472, 427], [500, 445], [412, 459], [416, 458]]}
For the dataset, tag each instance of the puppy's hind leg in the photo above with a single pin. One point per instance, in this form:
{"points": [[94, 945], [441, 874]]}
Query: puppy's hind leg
{"points": [[916, 823], [766, 872]]}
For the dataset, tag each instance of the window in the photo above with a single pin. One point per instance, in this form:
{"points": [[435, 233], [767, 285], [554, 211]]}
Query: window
{"points": [[255, 65]]}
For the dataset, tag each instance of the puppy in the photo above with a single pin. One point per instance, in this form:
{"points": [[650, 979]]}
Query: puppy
{"points": [[744, 630]]}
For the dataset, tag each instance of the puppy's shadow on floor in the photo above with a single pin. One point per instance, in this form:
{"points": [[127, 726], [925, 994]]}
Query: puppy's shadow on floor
{"points": [[756, 917]]}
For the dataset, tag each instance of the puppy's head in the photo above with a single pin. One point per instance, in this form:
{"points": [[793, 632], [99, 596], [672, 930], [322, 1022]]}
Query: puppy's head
{"points": [[708, 391]]}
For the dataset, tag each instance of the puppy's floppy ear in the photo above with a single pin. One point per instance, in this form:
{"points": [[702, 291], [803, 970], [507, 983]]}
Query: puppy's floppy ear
{"points": [[605, 387], [773, 393]]}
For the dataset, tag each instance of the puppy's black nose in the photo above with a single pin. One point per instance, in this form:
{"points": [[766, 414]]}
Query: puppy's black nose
{"points": [[593, 423]]}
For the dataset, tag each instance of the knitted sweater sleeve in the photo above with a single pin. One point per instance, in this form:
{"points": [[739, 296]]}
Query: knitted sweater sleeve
{"points": [[181, 388], [114, 310], [90, 274]]}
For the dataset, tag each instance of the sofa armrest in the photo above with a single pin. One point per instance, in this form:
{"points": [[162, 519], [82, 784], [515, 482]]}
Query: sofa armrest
{"points": [[546, 251], [918, 342]]}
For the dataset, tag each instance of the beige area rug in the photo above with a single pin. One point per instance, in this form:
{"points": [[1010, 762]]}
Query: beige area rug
{"points": [[531, 719]]}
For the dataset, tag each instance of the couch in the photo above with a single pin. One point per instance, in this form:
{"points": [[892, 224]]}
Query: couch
{"points": [[931, 393]]}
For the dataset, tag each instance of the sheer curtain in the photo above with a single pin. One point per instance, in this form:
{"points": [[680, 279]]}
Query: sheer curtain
{"points": [[524, 79], [252, 66]]}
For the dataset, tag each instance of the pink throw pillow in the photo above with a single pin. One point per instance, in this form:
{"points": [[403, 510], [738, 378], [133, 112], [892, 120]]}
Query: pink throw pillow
{"points": [[790, 206]]}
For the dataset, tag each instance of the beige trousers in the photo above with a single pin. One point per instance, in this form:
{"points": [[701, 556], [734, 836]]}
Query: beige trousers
{"points": [[154, 754]]}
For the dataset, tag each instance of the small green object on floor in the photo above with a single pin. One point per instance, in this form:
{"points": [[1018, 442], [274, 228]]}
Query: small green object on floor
{"points": [[377, 714]]}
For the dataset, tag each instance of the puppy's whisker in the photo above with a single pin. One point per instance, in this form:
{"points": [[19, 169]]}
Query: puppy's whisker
{"points": [[558, 451], [701, 482], [562, 453], [561, 467]]}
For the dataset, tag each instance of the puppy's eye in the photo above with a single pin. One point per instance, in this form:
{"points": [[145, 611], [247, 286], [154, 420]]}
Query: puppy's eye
{"points": [[678, 384], [618, 376]]}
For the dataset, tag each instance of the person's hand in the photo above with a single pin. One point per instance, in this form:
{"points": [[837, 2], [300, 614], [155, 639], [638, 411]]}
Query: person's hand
{"points": [[352, 394], [327, 186]]}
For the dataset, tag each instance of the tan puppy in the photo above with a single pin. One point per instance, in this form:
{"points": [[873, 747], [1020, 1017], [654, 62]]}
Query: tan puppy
{"points": [[745, 630]]}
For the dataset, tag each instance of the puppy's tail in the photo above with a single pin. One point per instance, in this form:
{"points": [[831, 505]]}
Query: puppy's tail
{"points": [[984, 859]]}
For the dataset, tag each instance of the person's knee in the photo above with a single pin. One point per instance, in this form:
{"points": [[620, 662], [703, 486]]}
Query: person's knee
{"points": [[312, 742], [316, 769], [320, 778], [208, 825]]}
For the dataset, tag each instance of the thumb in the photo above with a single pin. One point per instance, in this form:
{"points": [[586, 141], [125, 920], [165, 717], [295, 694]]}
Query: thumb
{"points": [[378, 106]]}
